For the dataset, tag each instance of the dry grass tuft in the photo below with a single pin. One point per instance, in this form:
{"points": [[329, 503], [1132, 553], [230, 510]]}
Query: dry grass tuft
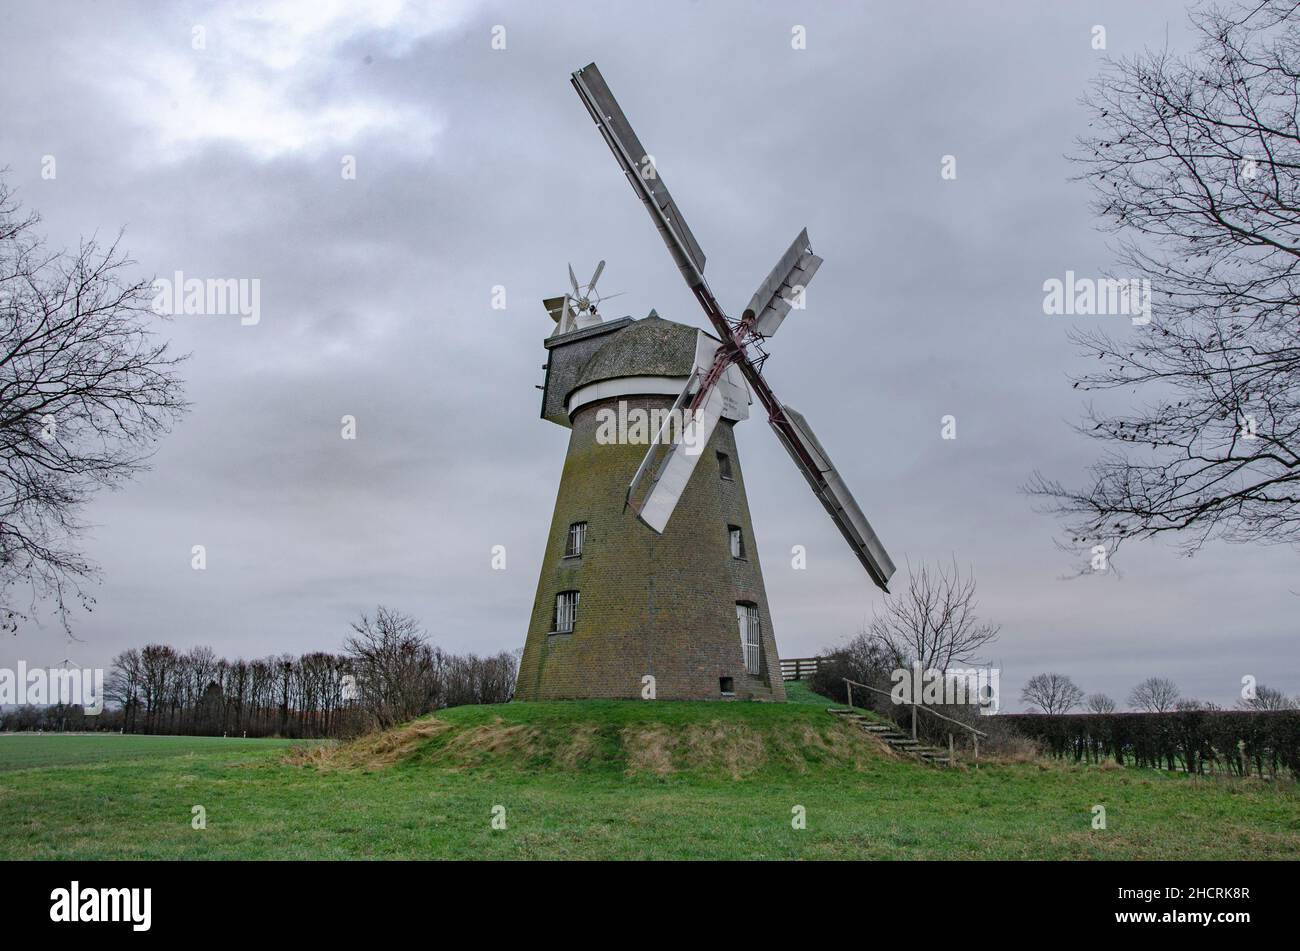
{"points": [[1010, 751], [478, 744], [373, 751], [734, 747], [579, 749], [648, 750], [739, 750]]}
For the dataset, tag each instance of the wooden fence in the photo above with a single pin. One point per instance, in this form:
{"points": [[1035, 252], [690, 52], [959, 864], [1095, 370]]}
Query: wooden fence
{"points": [[797, 668]]}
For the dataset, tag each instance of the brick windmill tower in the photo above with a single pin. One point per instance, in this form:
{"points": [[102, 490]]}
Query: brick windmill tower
{"points": [[651, 567]]}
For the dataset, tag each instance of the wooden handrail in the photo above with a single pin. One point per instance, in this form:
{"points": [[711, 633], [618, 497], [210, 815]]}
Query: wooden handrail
{"points": [[915, 706]]}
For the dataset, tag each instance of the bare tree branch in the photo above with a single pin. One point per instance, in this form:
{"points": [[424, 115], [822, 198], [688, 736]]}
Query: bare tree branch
{"points": [[85, 391], [933, 621], [1195, 165]]}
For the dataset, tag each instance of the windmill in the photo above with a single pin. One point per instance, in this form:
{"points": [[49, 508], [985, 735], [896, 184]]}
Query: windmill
{"points": [[651, 578], [576, 310], [659, 482]]}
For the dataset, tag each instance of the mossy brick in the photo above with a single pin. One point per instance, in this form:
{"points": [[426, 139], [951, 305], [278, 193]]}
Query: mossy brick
{"points": [[663, 605]]}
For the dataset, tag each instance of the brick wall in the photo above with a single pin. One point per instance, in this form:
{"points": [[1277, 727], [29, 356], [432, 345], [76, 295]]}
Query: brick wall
{"points": [[650, 604]]}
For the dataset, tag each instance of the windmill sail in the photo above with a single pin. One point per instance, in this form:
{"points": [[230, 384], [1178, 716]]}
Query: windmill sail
{"points": [[640, 169], [775, 296], [663, 474], [836, 497]]}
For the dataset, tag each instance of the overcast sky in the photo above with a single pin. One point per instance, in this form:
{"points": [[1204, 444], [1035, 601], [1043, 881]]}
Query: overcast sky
{"points": [[478, 167]]}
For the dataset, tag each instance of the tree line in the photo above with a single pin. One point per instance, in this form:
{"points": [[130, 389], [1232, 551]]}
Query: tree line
{"points": [[1238, 742], [162, 690], [1054, 693], [388, 672]]}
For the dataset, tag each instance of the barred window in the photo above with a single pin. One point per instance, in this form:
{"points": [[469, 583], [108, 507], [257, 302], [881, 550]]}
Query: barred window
{"points": [[724, 465], [737, 539], [748, 620], [577, 535], [566, 611]]}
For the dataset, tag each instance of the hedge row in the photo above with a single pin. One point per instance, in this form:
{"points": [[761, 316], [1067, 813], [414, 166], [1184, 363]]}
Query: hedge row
{"points": [[1198, 741]]}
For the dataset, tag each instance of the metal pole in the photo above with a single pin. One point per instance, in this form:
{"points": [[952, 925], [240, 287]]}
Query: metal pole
{"points": [[913, 721], [850, 686], [976, 738], [952, 755]]}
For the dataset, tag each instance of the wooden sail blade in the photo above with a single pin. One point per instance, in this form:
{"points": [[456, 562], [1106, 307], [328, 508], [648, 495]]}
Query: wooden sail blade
{"points": [[640, 169], [663, 475], [834, 495], [776, 295]]}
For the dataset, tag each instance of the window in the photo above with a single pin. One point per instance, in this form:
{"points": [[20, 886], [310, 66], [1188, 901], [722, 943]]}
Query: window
{"points": [[727, 686], [566, 611], [577, 535], [737, 541], [747, 618], [724, 465]]}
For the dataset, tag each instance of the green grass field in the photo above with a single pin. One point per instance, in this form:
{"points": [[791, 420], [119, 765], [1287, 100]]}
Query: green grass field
{"points": [[612, 780]]}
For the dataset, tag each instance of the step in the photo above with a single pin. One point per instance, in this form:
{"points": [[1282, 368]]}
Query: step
{"points": [[897, 740], [895, 737]]}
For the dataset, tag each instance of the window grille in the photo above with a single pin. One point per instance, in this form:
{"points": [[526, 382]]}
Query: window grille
{"points": [[748, 620], [577, 535], [566, 611]]}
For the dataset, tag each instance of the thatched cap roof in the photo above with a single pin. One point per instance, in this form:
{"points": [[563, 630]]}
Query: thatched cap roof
{"points": [[649, 347]]}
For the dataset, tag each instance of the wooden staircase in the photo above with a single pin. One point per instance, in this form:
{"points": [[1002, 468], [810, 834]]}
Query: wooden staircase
{"points": [[895, 737]]}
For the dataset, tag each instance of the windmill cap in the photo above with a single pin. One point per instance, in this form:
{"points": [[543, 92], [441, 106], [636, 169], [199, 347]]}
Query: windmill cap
{"points": [[648, 347]]}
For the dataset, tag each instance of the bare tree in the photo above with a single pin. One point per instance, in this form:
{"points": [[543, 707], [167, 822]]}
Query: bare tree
{"points": [[1154, 695], [1051, 693], [1099, 703], [398, 673], [1268, 698], [124, 684], [157, 675], [1195, 163], [85, 390], [933, 622], [469, 678]]}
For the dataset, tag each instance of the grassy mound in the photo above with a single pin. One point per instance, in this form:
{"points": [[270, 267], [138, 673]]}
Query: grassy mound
{"points": [[736, 740]]}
